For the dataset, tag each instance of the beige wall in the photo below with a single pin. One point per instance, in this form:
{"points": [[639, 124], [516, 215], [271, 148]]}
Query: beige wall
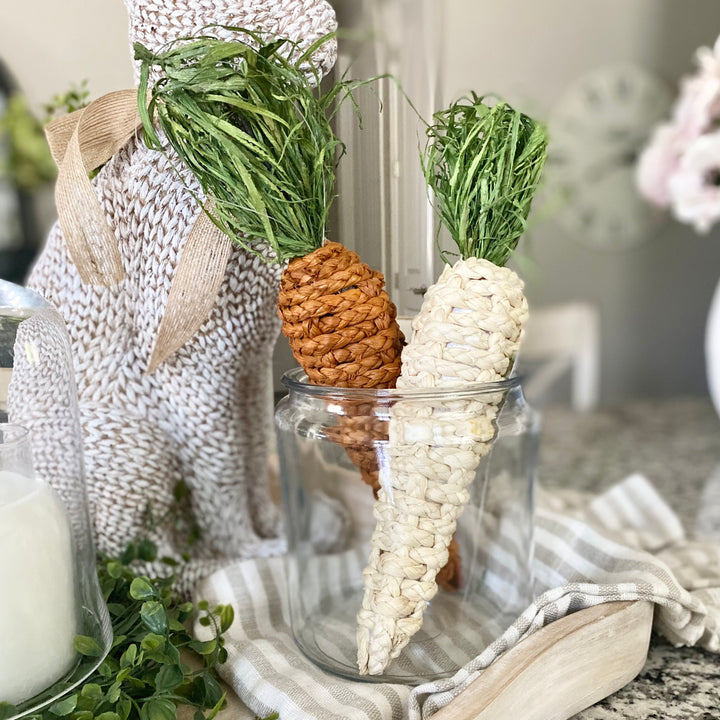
{"points": [[50, 44], [654, 298]]}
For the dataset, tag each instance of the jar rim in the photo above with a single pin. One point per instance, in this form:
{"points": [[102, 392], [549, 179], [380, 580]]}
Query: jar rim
{"points": [[297, 380]]}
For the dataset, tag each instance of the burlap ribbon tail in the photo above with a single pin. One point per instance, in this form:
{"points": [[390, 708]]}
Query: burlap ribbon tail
{"points": [[84, 141]]}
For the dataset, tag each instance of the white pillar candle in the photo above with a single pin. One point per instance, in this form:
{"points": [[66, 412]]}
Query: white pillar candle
{"points": [[37, 599]]}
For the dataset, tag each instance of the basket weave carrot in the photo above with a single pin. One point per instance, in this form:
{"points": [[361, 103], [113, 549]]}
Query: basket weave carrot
{"points": [[483, 164]]}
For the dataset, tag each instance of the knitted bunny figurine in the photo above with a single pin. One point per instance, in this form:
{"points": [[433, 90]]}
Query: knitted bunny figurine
{"points": [[200, 416]]}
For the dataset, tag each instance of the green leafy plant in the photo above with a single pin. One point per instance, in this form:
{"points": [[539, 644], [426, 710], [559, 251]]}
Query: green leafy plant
{"points": [[28, 164], [147, 674], [74, 98], [483, 164], [253, 124]]}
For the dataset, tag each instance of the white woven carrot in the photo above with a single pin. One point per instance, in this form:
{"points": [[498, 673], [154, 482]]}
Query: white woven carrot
{"points": [[484, 165]]}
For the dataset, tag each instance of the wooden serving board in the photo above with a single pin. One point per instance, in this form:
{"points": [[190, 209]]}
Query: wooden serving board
{"points": [[561, 669]]}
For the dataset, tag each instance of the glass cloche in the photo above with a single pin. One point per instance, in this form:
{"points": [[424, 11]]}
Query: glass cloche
{"points": [[50, 592]]}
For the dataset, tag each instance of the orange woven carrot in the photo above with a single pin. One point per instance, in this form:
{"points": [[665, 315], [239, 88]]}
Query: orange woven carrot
{"points": [[339, 320]]}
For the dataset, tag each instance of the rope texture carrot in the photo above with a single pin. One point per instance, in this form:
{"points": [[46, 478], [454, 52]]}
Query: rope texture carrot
{"points": [[339, 319], [468, 331]]}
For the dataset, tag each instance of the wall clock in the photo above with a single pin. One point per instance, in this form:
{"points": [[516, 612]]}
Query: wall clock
{"points": [[596, 134]]}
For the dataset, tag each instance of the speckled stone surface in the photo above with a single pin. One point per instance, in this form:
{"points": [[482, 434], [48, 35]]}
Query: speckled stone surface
{"points": [[676, 445]]}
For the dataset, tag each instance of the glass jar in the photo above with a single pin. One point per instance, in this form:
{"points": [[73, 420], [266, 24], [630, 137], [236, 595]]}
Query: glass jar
{"points": [[50, 590], [436, 459]]}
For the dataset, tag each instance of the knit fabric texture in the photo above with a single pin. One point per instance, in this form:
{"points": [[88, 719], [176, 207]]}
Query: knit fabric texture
{"points": [[201, 416]]}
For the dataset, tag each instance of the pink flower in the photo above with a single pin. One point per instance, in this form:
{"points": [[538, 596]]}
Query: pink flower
{"points": [[695, 112], [694, 188], [708, 60], [658, 161], [698, 104]]}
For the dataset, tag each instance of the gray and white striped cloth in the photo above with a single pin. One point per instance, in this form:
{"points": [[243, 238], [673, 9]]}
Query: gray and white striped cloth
{"points": [[625, 544]]}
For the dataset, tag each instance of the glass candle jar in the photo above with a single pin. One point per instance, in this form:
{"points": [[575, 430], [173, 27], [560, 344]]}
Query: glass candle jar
{"points": [[50, 591], [453, 471]]}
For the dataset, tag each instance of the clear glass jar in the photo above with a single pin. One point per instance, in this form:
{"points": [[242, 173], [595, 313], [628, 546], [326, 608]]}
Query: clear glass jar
{"points": [[469, 451], [50, 590]]}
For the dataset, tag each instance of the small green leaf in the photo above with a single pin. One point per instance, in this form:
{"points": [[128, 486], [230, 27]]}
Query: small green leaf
{"points": [[123, 708], [129, 555], [113, 693], [85, 704], [115, 569], [87, 646], [92, 691], [64, 707], [213, 692], [219, 705], [154, 617], [176, 626], [227, 615], [152, 642], [127, 659], [173, 653], [107, 716], [147, 550], [141, 589], [159, 709], [203, 648], [168, 678]]}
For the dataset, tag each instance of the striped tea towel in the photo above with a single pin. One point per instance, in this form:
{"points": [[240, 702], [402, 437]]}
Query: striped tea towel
{"points": [[626, 544]]}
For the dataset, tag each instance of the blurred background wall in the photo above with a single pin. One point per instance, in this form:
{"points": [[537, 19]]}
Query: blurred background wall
{"points": [[653, 298]]}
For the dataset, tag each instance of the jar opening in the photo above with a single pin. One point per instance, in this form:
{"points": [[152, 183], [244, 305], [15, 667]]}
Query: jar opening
{"points": [[296, 380]]}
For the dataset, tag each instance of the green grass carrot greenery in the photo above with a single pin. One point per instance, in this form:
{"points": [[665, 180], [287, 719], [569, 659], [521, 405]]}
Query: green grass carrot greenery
{"points": [[252, 121], [483, 164]]}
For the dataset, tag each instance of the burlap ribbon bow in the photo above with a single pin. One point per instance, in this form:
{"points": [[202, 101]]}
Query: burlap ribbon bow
{"points": [[84, 141]]}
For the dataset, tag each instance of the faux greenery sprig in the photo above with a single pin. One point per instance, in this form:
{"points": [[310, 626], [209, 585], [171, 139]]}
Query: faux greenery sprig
{"points": [[146, 675], [76, 97], [483, 164], [249, 119]]}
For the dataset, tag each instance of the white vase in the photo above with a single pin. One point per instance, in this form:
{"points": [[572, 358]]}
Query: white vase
{"points": [[712, 349]]}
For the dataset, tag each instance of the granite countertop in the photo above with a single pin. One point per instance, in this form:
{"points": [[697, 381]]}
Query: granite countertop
{"points": [[676, 445]]}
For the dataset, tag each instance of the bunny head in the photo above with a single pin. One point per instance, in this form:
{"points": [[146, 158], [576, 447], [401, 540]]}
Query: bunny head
{"points": [[157, 22]]}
